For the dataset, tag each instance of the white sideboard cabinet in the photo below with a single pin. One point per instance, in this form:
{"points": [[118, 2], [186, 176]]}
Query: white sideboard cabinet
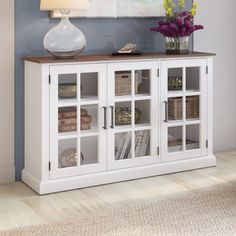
{"points": [[101, 119]]}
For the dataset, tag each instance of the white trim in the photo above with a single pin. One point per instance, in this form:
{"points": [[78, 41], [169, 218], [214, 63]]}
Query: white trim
{"points": [[64, 184]]}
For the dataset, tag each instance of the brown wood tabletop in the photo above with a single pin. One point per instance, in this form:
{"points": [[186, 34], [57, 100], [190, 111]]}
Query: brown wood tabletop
{"points": [[110, 57]]}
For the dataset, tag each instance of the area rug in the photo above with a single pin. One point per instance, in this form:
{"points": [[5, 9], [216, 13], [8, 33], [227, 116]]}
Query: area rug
{"points": [[206, 212]]}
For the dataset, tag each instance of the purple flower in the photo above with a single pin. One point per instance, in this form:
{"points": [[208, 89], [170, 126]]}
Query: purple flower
{"points": [[179, 22], [179, 25], [187, 23], [185, 14]]}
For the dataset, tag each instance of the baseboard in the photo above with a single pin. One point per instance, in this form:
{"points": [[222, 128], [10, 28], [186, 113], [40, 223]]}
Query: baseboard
{"points": [[107, 177], [7, 174]]}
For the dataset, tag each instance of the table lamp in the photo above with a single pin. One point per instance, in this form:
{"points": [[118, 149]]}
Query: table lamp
{"points": [[64, 40]]}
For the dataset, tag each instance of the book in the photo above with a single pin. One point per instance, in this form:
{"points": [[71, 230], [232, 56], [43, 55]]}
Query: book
{"points": [[67, 128], [125, 145], [119, 149], [67, 112], [128, 151], [138, 143], [144, 144], [68, 121]]}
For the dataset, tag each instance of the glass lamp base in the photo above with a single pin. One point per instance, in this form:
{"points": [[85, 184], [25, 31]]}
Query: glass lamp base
{"points": [[64, 40]]}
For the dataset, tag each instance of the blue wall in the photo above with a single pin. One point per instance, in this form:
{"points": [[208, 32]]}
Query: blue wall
{"points": [[103, 35]]}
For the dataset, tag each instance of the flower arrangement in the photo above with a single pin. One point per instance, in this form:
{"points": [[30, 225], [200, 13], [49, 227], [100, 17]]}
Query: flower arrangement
{"points": [[179, 22]]}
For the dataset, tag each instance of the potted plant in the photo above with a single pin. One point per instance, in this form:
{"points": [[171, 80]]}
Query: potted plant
{"points": [[178, 26]]}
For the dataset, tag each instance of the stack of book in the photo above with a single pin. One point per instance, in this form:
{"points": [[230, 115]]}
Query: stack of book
{"points": [[142, 139], [67, 119], [85, 120]]}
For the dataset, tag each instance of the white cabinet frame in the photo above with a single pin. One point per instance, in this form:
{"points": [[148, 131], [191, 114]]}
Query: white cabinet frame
{"points": [[202, 122], [153, 67], [55, 71], [41, 170]]}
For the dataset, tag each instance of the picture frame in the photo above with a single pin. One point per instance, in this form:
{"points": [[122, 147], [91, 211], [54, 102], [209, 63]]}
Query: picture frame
{"points": [[118, 9]]}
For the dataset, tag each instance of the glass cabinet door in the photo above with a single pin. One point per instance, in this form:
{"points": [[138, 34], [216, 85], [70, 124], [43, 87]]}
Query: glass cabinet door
{"points": [[77, 139], [131, 102], [183, 96]]}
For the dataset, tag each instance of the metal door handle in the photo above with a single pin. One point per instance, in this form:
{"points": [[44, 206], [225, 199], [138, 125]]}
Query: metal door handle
{"points": [[112, 117], [105, 118], [166, 111]]}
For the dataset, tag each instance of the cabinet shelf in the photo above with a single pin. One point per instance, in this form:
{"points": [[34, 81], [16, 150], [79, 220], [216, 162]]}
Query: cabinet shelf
{"points": [[89, 100], [68, 135], [181, 122], [135, 98], [181, 94], [67, 102]]}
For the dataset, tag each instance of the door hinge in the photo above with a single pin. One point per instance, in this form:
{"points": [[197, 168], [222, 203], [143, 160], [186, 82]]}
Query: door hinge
{"points": [[49, 165], [207, 70], [158, 151], [206, 143], [158, 73], [49, 79]]}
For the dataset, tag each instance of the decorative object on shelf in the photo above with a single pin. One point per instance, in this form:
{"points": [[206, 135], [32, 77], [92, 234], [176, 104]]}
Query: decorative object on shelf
{"points": [[64, 40], [67, 119], [175, 108], [123, 115], [67, 90], [85, 120], [68, 158], [175, 83], [192, 107], [127, 50], [178, 26], [123, 83]]}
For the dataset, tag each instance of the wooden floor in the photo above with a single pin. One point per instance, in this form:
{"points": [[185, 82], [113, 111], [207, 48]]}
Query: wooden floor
{"points": [[20, 206]]}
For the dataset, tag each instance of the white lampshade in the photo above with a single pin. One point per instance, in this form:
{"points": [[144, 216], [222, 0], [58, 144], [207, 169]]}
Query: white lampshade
{"points": [[50, 5]]}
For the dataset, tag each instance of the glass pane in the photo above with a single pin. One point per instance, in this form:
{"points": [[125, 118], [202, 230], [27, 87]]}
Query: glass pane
{"points": [[89, 118], [142, 112], [142, 143], [123, 146], [123, 83], [123, 114], [142, 82], [175, 79], [193, 78], [89, 150], [192, 137], [67, 150], [175, 139], [192, 107], [67, 86], [89, 86], [67, 119], [175, 108]]}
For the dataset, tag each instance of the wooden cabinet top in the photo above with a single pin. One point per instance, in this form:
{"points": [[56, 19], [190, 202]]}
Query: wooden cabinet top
{"points": [[109, 57]]}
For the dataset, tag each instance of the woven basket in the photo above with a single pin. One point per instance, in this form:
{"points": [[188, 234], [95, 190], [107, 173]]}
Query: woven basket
{"points": [[123, 115], [175, 106], [123, 84]]}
